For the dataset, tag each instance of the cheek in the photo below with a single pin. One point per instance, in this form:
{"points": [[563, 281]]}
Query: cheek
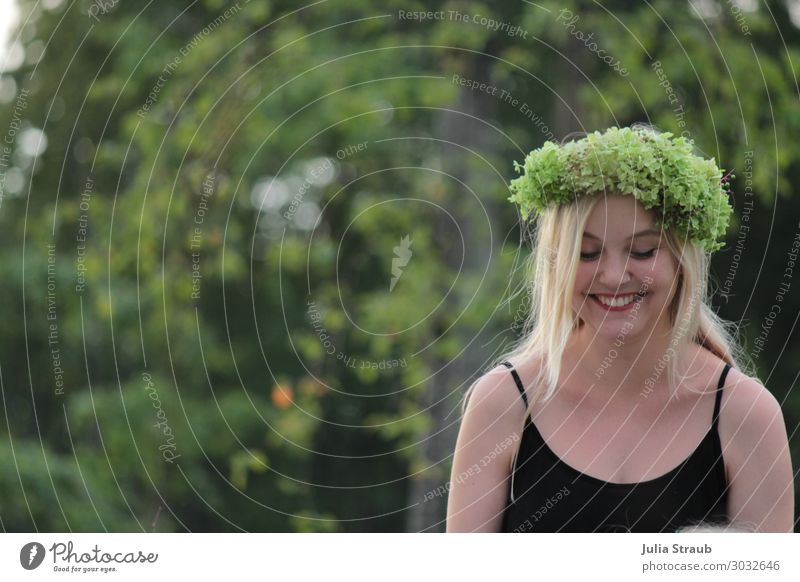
{"points": [[664, 273], [583, 278], [583, 281]]}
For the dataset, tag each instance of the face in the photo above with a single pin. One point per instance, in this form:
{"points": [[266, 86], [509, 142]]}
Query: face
{"points": [[626, 277]]}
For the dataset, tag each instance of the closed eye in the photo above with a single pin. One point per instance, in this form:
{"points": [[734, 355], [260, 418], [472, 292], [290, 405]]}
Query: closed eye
{"points": [[644, 255], [635, 255]]}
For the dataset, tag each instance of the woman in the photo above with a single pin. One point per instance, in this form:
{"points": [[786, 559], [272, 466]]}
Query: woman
{"points": [[625, 405]]}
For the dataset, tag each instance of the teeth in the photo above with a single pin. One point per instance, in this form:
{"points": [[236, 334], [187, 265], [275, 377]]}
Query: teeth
{"points": [[617, 301]]}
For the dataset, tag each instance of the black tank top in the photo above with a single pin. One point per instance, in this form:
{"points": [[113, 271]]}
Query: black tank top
{"points": [[551, 496]]}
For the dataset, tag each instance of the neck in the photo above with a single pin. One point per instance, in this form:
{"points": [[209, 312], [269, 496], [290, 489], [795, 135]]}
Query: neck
{"points": [[626, 365]]}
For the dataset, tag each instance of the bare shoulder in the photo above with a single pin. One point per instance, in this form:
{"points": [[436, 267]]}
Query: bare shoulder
{"points": [[495, 394], [483, 459], [748, 412], [758, 462], [752, 430], [500, 388], [748, 407]]}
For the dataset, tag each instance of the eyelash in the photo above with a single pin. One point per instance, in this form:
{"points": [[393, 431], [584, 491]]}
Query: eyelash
{"points": [[640, 256]]}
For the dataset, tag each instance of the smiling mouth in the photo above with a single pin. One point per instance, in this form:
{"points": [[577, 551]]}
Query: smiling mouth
{"points": [[619, 300]]}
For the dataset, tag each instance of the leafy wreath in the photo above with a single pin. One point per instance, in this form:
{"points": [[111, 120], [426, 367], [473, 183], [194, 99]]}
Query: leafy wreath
{"points": [[660, 170]]}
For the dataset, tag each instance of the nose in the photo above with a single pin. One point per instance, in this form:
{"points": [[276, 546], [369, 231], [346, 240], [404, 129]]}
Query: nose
{"points": [[612, 271]]}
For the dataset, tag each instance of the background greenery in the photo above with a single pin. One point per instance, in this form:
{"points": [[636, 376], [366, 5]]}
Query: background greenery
{"points": [[277, 430]]}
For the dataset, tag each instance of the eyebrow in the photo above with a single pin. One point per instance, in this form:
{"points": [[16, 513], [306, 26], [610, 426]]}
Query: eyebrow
{"points": [[640, 233]]}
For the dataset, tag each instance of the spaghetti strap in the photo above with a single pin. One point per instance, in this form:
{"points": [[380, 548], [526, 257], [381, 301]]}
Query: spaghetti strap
{"points": [[718, 400], [518, 382]]}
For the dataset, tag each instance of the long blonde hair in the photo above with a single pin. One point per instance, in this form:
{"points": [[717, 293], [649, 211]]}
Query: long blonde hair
{"points": [[550, 272]]}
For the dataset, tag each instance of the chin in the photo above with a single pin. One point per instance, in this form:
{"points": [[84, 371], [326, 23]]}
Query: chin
{"points": [[612, 330]]}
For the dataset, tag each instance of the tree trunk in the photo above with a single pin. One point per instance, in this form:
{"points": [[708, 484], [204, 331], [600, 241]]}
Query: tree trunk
{"points": [[442, 395]]}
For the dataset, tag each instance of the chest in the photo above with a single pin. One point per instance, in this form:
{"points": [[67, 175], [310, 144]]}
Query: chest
{"points": [[627, 444]]}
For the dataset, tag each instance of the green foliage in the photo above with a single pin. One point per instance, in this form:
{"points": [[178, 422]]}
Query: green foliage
{"points": [[659, 169], [285, 420]]}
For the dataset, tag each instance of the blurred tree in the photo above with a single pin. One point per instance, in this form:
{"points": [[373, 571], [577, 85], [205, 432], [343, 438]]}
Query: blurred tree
{"points": [[261, 243]]}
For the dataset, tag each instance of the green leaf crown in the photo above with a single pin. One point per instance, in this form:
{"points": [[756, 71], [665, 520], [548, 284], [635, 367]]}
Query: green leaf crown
{"points": [[660, 170]]}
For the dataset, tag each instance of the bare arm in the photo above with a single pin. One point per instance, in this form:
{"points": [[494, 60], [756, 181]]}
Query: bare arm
{"points": [[759, 466], [487, 439]]}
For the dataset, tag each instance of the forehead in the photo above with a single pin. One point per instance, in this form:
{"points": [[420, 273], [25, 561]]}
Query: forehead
{"points": [[620, 217]]}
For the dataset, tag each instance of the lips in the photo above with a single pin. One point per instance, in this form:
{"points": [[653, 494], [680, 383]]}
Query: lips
{"points": [[636, 298]]}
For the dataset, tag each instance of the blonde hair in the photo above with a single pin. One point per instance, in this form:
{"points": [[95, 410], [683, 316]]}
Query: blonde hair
{"points": [[551, 269]]}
